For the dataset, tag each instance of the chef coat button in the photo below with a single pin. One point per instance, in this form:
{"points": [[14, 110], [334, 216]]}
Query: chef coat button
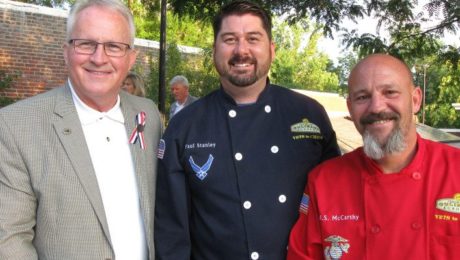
{"points": [[254, 255], [282, 198], [247, 204], [375, 229], [238, 156], [232, 113], [416, 225], [274, 149], [268, 109], [372, 181], [416, 176]]}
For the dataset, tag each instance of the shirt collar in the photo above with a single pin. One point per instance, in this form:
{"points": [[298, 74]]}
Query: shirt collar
{"points": [[89, 115], [264, 96]]}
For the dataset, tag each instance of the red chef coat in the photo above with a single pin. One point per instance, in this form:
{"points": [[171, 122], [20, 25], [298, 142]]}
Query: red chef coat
{"points": [[352, 210]]}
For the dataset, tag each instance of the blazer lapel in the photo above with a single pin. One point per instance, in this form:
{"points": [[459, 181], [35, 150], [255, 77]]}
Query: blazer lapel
{"points": [[70, 132], [139, 156]]}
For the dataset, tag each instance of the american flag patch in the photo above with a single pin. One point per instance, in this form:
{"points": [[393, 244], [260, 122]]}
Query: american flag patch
{"points": [[304, 204], [161, 149]]}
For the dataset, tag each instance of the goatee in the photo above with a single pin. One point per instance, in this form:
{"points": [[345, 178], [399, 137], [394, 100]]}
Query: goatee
{"points": [[241, 80], [376, 150]]}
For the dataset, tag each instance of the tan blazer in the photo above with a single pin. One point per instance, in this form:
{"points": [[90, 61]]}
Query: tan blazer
{"points": [[50, 204]]}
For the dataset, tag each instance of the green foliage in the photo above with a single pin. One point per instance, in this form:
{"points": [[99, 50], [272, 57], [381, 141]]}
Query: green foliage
{"points": [[298, 64], [343, 69], [6, 79], [182, 31], [440, 113], [330, 13]]}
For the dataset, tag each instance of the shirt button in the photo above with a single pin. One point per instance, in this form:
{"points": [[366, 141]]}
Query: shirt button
{"points": [[416, 225], [254, 255], [232, 113], [375, 229], [238, 156], [416, 176], [282, 198], [247, 204], [268, 109], [274, 149], [372, 181]]}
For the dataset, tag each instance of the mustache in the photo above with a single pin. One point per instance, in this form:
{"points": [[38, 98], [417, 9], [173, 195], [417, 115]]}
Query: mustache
{"points": [[374, 117], [242, 59]]}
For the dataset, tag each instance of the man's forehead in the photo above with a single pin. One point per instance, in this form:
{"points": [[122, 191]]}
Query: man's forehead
{"points": [[248, 23]]}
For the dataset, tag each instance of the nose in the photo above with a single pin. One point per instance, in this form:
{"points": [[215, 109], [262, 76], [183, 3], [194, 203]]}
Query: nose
{"points": [[377, 104], [242, 47], [99, 56]]}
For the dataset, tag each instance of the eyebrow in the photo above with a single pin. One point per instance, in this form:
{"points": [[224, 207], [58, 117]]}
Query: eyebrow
{"points": [[234, 33]]}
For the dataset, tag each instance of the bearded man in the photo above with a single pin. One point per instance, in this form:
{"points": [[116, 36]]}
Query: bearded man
{"points": [[398, 196], [233, 165]]}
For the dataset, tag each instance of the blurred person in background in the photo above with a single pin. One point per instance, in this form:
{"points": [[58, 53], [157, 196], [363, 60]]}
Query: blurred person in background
{"points": [[134, 85]]}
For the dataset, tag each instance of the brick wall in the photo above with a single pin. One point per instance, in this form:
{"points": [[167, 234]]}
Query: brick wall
{"points": [[31, 44]]}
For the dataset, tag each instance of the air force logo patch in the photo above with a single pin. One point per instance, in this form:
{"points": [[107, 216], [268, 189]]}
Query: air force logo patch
{"points": [[201, 171]]}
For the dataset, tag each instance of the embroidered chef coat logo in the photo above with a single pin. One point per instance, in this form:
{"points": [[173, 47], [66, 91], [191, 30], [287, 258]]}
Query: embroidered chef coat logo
{"points": [[451, 205], [339, 245], [201, 172], [305, 127]]}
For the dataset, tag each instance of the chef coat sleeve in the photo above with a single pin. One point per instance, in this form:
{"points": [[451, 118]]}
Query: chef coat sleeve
{"points": [[331, 148], [305, 238], [172, 209]]}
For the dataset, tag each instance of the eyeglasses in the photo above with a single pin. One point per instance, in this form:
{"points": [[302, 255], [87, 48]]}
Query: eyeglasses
{"points": [[112, 49]]}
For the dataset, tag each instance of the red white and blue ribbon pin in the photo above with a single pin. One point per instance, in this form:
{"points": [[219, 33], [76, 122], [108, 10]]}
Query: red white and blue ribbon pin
{"points": [[138, 132]]}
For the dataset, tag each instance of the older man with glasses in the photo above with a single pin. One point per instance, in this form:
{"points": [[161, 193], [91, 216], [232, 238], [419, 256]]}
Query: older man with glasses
{"points": [[77, 171]]}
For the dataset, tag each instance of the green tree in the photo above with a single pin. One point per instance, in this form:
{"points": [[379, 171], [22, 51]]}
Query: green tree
{"points": [[440, 113], [298, 64], [345, 64]]}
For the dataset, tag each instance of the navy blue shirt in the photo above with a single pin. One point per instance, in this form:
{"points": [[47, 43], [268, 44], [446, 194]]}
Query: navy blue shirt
{"points": [[231, 177]]}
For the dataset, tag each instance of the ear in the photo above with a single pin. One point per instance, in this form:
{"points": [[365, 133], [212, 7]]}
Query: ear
{"points": [[272, 50], [213, 50], [132, 58], [65, 50], [416, 99], [349, 106]]}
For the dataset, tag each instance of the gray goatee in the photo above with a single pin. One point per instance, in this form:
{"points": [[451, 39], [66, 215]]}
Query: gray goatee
{"points": [[375, 150]]}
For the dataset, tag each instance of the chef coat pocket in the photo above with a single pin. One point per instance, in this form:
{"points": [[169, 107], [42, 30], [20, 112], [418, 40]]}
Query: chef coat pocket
{"points": [[445, 247]]}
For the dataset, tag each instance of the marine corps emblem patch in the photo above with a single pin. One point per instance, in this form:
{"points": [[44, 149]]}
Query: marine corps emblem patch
{"points": [[339, 245]]}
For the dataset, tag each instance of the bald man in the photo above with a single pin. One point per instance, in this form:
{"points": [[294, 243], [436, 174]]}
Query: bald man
{"points": [[398, 196]]}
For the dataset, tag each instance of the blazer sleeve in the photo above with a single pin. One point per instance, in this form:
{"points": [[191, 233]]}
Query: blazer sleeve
{"points": [[172, 209], [17, 201]]}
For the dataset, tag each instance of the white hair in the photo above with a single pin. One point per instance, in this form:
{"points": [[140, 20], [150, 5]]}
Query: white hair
{"points": [[116, 5]]}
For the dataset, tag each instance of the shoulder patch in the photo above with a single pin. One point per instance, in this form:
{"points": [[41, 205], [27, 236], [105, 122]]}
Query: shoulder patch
{"points": [[161, 149], [304, 203]]}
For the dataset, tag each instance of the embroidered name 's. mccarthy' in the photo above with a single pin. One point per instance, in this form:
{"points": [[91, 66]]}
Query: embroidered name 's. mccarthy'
{"points": [[339, 217], [344, 217]]}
